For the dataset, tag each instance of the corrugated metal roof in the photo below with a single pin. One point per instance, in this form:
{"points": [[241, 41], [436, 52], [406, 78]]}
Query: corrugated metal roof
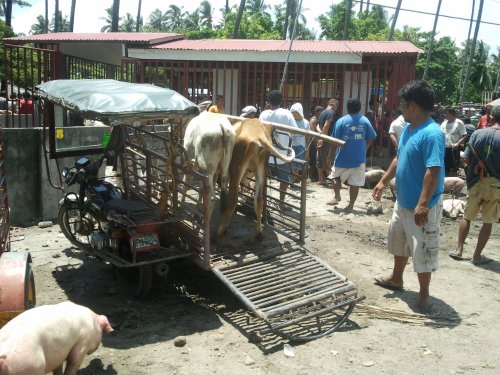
{"points": [[138, 38], [368, 47]]}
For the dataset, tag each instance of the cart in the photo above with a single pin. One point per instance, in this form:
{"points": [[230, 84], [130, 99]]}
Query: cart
{"points": [[292, 292]]}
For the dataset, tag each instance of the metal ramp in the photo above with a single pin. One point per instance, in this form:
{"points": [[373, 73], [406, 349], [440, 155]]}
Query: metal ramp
{"points": [[298, 296]]}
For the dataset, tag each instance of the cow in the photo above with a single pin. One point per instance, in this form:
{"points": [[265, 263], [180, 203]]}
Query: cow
{"points": [[208, 144], [250, 154]]}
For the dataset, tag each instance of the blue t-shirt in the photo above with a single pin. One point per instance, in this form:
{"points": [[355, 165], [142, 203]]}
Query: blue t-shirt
{"points": [[355, 130], [419, 149]]}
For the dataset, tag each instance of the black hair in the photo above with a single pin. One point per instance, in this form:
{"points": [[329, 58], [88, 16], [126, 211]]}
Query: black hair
{"points": [[275, 97], [496, 114], [419, 92], [467, 120], [353, 106], [452, 111], [399, 112]]}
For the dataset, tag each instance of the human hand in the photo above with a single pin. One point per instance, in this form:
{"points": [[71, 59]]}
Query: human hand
{"points": [[421, 215], [320, 143], [377, 191], [480, 168]]}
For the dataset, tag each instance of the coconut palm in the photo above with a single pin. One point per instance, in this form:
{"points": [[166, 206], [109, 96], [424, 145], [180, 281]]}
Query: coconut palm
{"points": [[127, 23], [46, 16], [205, 14], [40, 27], [63, 23], [191, 21], [115, 16], [174, 17], [107, 27], [394, 20], [429, 52], [72, 15], [238, 19], [257, 7], [56, 19], [138, 22], [157, 21], [347, 20], [473, 48], [466, 49]]}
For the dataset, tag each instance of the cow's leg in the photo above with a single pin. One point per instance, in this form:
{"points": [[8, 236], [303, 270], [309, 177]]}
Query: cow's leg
{"points": [[259, 199], [236, 174]]}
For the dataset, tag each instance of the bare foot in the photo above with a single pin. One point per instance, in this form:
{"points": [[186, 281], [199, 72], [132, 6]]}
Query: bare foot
{"points": [[348, 209], [334, 201]]}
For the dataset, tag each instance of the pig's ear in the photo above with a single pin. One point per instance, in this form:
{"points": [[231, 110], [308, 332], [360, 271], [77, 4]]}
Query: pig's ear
{"points": [[104, 323]]}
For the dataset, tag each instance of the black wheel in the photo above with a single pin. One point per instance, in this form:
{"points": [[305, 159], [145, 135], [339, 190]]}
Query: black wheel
{"points": [[29, 288], [78, 225], [141, 280]]}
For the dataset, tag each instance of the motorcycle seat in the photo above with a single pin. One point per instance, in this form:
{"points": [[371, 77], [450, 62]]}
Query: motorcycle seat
{"points": [[124, 206]]}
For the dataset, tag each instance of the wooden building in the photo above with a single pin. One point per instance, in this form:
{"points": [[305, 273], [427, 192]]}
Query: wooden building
{"points": [[243, 71]]}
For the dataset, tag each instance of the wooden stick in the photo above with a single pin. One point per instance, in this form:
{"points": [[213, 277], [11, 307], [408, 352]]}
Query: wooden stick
{"points": [[293, 130]]}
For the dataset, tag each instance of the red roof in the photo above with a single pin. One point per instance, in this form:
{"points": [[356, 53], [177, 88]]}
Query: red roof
{"points": [[369, 47], [138, 38]]}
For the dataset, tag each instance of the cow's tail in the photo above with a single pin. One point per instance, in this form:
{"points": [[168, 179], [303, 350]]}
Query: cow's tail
{"points": [[272, 150], [228, 140]]}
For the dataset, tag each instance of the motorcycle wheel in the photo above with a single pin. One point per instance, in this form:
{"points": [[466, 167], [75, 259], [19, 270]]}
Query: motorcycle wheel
{"points": [[142, 278], [69, 222]]}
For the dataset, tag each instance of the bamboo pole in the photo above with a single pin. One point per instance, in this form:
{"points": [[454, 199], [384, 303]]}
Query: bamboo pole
{"points": [[293, 130]]}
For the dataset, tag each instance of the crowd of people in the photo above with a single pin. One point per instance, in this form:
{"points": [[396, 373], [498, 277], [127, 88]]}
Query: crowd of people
{"points": [[25, 104], [425, 151]]}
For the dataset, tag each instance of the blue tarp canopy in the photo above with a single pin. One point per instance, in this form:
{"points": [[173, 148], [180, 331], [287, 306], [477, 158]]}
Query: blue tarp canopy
{"points": [[115, 102]]}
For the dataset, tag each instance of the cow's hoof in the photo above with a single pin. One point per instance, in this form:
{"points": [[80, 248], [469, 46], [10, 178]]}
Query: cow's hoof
{"points": [[259, 237]]}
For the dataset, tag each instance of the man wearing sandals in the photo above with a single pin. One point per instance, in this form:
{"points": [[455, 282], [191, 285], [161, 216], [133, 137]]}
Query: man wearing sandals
{"points": [[483, 186], [419, 170]]}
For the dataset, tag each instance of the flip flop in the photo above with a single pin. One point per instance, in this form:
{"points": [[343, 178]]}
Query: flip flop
{"points": [[482, 260], [455, 256], [379, 280]]}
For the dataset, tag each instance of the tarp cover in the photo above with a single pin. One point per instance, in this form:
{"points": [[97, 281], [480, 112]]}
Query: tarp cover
{"points": [[114, 102]]}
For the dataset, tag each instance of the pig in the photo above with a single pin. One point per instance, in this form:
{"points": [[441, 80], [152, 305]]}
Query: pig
{"points": [[41, 339], [453, 208], [453, 185], [372, 177]]}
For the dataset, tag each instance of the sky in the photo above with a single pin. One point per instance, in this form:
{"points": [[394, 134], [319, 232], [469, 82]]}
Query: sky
{"points": [[90, 12]]}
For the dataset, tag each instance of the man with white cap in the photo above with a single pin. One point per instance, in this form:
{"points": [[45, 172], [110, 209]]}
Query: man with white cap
{"points": [[249, 112]]}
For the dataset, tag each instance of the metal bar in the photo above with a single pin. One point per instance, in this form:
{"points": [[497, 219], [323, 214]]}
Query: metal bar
{"points": [[308, 287], [275, 310]]}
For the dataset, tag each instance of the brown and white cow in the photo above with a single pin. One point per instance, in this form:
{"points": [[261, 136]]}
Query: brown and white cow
{"points": [[250, 154], [208, 143]]}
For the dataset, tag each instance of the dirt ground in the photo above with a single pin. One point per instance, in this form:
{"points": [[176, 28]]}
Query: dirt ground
{"points": [[383, 335]]}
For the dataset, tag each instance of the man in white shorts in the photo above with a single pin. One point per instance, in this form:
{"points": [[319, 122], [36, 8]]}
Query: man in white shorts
{"points": [[349, 165], [419, 171]]}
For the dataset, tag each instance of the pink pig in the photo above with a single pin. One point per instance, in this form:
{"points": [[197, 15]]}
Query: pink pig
{"points": [[39, 340]]}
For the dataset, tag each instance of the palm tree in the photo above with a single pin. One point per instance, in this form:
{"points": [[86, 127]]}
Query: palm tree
{"points": [[40, 27], [466, 49], [287, 17], [191, 21], [56, 12], [473, 48], [157, 21], [394, 20], [301, 21], [238, 19], [115, 16], [257, 7], [138, 21], [174, 17], [72, 15], [107, 27], [128, 23], [63, 23], [347, 20], [205, 14], [46, 29], [429, 52]]}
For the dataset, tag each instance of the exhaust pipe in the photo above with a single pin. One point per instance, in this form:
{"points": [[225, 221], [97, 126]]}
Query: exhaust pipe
{"points": [[162, 269]]}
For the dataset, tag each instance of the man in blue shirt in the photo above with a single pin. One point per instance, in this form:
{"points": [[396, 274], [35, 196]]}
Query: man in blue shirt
{"points": [[419, 170], [349, 165]]}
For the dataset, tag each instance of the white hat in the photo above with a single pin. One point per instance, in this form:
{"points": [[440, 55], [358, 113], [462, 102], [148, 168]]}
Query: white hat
{"points": [[247, 110]]}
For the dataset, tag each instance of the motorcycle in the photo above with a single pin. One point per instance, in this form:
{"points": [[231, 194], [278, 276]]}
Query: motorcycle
{"points": [[100, 221]]}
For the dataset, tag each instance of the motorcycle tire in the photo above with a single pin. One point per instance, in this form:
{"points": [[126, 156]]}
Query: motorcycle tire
{"points": [[66, 219], [138, 280]]}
